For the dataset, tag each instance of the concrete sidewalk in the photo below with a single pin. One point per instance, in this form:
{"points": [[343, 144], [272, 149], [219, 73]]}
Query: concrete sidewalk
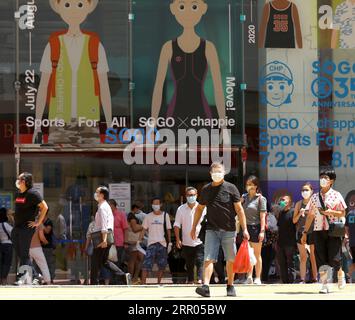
{"points": [[178, 292]]}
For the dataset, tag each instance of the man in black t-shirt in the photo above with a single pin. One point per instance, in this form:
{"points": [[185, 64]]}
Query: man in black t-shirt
{"points": [[222, 200], [28, 202]]}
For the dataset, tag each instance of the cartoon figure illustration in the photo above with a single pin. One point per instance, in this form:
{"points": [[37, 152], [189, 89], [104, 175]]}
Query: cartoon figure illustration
{"points": [[278, 79], [189, 57], [344, 25], [74, 78], [280, 25]]}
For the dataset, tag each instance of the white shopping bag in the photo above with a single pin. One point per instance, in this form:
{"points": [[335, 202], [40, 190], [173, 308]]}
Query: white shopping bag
{"points": [[252, 256]]}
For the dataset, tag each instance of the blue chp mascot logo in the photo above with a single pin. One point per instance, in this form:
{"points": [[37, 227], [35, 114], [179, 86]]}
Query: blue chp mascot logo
{"points": [[277, 79]]}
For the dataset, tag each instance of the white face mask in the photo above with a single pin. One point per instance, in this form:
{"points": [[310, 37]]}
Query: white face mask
{"points": [[217, 176], [156, 207], [306, 194], [96, 197], [17, 184], [323, 182]]}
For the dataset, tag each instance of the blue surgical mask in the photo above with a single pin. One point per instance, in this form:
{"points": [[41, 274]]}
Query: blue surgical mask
{"points": [[191, 199]]}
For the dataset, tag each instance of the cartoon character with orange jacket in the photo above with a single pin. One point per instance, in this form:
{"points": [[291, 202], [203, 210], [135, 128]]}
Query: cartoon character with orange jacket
{"points": [[74, 78]]}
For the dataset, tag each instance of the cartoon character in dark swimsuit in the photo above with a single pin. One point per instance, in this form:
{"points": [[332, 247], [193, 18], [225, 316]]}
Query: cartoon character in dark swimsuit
{"points": [[280, 26], [189, 57]]}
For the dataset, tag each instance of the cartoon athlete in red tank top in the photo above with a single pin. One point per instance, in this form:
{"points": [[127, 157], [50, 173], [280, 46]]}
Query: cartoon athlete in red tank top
{"points": [[280, 26]]}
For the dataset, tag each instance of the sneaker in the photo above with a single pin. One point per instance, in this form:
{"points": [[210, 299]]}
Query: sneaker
{"points": [[36, 282], [20, 282], [324, 289], [22, 279], [341, 282], [203, 291], [249, 280], [231, 291], [257, 281]]}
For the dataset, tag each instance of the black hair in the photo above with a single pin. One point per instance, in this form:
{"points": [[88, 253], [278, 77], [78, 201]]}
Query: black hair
{"points": [[217, 164], [48, 222], [255, 181], [309, 185], [348, 197], [135, 206], [330, 172], [3, 215], [104, 190], [113, 202], [156, 198], [28, 178]]}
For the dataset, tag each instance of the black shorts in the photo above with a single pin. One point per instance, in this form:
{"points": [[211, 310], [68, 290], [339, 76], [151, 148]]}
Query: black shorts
{"points": [[310, 239], [254, 231], [352, 250]]}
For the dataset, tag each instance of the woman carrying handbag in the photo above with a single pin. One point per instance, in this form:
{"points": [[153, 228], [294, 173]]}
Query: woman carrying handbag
{"points": [[327, 209]]}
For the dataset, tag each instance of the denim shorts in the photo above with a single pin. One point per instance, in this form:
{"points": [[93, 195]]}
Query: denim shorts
{"points": [[156, 252], [215, 239]]}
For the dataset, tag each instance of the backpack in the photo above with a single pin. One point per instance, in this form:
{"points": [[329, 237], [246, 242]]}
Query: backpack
{"points": [[54, 43]]}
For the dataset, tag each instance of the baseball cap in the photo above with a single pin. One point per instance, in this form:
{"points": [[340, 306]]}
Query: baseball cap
{"points": [[276, 68]]}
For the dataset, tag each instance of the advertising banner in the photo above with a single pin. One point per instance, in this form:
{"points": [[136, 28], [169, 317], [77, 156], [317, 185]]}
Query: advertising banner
{"points": [[74, 70]]}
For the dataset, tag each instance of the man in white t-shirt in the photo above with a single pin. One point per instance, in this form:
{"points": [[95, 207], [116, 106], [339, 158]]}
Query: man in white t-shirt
{"points": [[193, 250], [159, 240], [74, 79]]}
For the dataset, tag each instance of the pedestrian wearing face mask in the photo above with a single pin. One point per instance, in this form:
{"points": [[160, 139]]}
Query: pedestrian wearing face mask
{"points": [[254, 205], [326, 207], [27, 205], [192, 250], [102, 235], [299, 219], [158, 225], [222, 200], [286, 243]]}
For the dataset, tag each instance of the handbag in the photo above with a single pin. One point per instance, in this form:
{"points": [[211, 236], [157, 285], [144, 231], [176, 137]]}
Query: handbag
{"points": [[96, 238], [112, 256], [336, 228]]}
